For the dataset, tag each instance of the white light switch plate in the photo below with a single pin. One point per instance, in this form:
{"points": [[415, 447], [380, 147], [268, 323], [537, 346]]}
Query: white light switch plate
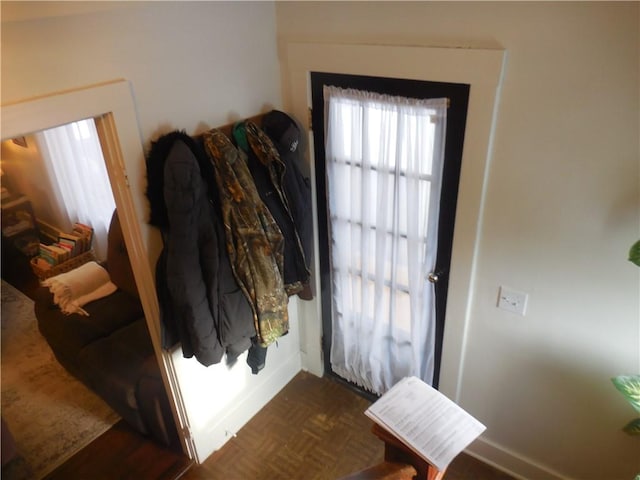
{"points": [[512, 300]]}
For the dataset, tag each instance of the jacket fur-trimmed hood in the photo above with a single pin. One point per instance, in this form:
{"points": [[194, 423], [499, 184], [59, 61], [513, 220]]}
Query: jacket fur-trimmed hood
{"points": [[155, 162]]}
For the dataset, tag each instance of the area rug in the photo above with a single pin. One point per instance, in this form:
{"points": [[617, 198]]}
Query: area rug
{"points": [[50, 414]]}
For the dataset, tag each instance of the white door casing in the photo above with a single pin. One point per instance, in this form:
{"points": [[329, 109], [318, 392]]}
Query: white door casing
{"points": [[480, 68]]}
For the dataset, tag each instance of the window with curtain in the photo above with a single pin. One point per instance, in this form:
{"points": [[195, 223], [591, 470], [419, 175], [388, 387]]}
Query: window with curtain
{"points": [[384, 157], [76, 167]]}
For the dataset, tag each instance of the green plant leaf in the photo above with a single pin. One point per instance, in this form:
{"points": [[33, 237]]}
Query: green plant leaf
{"points": [[633, 427], [629, 386], [634, 253]]}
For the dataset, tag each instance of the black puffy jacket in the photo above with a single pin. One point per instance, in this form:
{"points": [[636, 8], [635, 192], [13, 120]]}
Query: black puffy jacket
{"points": [[286, 135], [201, 304]]}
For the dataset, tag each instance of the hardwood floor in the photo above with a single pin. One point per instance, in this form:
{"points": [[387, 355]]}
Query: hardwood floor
{"points": [[313, 429], [122, 454]]}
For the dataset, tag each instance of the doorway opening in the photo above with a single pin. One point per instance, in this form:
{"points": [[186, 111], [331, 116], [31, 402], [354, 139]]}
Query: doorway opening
{"points": [[110, 105], [59, 178], [458, 96]]}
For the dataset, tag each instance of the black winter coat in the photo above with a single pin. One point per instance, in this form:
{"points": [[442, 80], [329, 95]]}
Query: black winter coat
{"points": [[201, 303], [286, 136]]}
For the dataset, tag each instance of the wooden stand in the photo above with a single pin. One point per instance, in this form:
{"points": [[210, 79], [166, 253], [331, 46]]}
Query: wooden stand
{"points": [[400, 462], [396, 451], [385, 471]]}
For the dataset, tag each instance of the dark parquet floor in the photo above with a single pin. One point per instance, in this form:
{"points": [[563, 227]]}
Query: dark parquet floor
{"points": [[314, 429]]}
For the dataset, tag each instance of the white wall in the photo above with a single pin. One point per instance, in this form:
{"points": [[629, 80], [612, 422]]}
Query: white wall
{"points": [[561, 211], [193, 66]]}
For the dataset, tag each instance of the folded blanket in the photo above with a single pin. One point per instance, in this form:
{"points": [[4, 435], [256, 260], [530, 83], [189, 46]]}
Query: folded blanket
{"points": [[72, 290]]}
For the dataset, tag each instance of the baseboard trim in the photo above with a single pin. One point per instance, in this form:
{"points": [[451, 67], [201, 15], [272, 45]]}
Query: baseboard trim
{"points": [[516, 465], [216, 434]]}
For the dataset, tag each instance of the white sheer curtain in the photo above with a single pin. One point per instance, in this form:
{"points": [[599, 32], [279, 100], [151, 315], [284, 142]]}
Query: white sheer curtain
{"points": [[74, 160], [384, 172]]}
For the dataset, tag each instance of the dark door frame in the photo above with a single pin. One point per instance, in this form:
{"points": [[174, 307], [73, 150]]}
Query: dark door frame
{"points": [[458, 95]]}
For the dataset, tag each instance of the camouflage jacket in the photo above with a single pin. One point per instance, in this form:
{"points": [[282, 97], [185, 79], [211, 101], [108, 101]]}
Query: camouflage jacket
{"points": [[254, 241]]}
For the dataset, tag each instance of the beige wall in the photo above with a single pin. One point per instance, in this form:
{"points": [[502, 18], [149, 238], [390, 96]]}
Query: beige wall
{"points": [[190, 64], [561, 211]]}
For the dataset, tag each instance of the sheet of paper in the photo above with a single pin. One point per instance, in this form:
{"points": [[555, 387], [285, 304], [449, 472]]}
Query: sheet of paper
{"points": [[427, 421]]}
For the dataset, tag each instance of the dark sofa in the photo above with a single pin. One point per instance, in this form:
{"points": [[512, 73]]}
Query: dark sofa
{"points": [[110, 350]]}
